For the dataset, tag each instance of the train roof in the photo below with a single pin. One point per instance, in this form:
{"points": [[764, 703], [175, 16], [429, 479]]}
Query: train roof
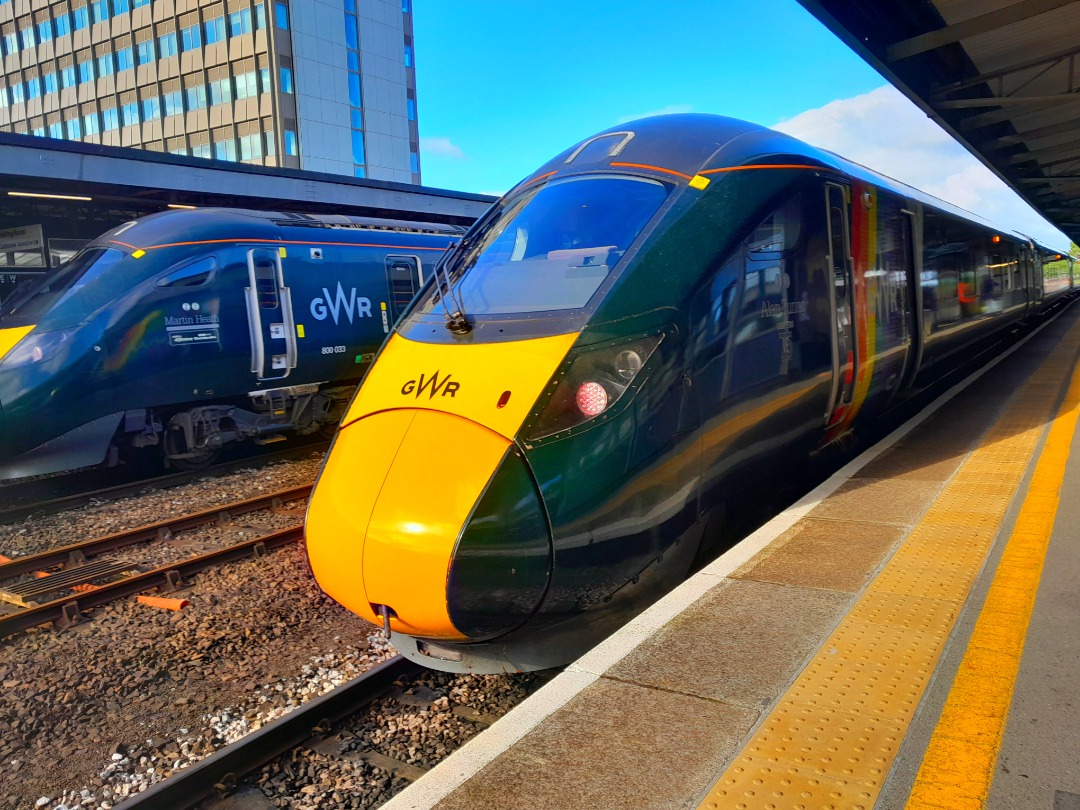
{"points": [[224, 224], [690, 143]]}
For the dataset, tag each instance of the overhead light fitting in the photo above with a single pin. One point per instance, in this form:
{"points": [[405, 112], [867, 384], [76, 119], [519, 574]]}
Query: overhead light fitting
{"points": [[49, 196], [179, 206]]}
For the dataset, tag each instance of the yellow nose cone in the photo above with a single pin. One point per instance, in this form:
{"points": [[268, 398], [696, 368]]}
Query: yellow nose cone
{"points": [[386, 514]]}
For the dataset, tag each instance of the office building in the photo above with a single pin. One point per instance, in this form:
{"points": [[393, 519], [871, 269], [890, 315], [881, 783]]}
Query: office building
{"points": [[321, 85]]}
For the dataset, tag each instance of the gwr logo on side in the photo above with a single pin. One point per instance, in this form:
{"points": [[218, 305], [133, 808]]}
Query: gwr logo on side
{"points": [[433, 385]]}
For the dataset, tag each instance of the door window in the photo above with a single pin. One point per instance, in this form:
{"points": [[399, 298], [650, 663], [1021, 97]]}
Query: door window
{"points": [[403, 277]]}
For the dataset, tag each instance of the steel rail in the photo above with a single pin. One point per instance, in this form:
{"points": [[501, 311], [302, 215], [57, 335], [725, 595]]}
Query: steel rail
{"points": [[225, 768], [68, 610], [160, 530]]}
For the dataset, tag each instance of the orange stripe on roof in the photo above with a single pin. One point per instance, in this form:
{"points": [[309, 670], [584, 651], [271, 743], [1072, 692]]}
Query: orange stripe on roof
{"points": [[652, 168], [286, 242], [538, 178], [125, 244], [761, 166]]}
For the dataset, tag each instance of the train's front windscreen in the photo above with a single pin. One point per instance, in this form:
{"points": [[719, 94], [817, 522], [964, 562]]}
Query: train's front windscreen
{"points": [[70, 294], [547, 250]]}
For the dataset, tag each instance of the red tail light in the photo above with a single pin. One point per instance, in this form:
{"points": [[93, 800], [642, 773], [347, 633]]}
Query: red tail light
{"points": [[591, 385], [592, 398]]}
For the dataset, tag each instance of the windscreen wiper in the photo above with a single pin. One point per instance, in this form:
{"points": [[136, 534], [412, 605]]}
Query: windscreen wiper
{"points": [[456, 321]]}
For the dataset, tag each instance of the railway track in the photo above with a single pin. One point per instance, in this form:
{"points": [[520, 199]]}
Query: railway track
{"points": [[222, 771], [319, 726], [73, 569], [50, 496]]}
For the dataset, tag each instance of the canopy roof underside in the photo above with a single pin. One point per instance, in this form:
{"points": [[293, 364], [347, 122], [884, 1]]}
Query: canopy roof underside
{"points": [[1002, 77]]}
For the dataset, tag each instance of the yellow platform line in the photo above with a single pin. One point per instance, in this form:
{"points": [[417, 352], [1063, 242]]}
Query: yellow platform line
{"points": [[831, 739], [959, 763]]}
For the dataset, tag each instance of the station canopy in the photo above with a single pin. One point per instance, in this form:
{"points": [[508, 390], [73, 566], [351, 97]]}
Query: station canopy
{"points": [[1002, 77]]}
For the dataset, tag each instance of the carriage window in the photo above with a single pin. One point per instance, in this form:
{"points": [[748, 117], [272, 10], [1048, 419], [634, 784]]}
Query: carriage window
{"points": [[190, 275], [779, 231]]}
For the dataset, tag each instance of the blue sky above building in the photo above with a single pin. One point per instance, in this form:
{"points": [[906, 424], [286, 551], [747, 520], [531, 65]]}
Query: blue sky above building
{"points": [[504, 86]]}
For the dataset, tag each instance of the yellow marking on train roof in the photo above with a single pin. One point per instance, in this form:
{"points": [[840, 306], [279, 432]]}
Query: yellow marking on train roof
{"points": [[699, 182], [832, 738], [959, 763], [138, 254]]}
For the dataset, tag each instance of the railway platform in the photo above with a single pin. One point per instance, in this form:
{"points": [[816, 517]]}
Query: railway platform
{"points": [[902, 637]]}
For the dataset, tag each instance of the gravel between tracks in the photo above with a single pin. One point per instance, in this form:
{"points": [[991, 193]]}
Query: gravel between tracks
{"points": [[96, 713], [132, 678]]}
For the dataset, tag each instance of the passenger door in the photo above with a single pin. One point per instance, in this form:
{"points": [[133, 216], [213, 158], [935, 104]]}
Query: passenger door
{"points": [[270, 316], [842, 302]]}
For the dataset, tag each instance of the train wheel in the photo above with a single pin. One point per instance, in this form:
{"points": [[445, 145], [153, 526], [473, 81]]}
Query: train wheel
{"points": [[180, 456], [199, 462]]}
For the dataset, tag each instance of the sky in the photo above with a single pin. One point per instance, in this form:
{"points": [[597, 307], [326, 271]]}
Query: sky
{"points": [[505, 85]]}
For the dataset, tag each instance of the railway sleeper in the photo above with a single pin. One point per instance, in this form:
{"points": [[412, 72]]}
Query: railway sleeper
{"points": [[334, 747], [420, 697], [26, 594]]}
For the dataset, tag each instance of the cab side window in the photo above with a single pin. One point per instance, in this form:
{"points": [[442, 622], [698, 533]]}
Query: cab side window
{"points": [[194, 274]]}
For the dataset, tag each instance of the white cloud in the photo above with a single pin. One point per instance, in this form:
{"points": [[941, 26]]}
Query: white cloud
{"points": [[441, 147], [886, 132], [671, 109]]}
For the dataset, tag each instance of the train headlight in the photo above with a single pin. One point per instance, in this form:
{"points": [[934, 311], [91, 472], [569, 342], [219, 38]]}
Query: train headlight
{"points": [[35, 348], [590, 386], [627, 364]]}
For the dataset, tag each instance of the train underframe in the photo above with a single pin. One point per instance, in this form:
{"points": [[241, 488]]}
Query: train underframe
{"points": [[192, 437]]}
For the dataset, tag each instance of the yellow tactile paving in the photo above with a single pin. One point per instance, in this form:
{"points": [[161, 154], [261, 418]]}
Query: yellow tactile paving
{"points": [[832, 738], [958, 765]]}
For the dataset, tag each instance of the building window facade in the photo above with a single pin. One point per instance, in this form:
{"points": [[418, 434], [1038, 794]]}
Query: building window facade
{"points": [[173, 102], [167, 45], [254, 131], [215, 30], [190, 38], [196, 97], [145, 51]]}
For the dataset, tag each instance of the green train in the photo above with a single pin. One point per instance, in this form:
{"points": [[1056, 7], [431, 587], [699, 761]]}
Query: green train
{"points": [[660, 319], [187, 330]]}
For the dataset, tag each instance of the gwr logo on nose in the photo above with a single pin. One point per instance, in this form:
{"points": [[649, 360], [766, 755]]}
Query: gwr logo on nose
{"points": [[433, 385]]}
